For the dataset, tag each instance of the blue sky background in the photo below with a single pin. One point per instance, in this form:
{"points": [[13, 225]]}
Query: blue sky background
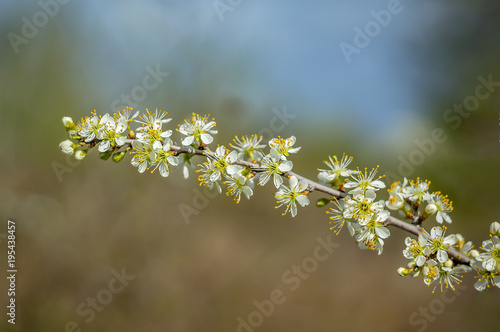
{"points": [[289, 51]]}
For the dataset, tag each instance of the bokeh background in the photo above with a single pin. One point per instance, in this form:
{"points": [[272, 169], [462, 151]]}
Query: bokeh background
{"points": [[238, 64]]}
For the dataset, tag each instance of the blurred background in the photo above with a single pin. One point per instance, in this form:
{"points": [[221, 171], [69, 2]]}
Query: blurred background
{"points": [[373, 79]]}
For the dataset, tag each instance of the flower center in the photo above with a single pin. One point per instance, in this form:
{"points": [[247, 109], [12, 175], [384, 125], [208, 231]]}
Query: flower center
{"points": [[221, 164], [495, 253], [364, 207]]}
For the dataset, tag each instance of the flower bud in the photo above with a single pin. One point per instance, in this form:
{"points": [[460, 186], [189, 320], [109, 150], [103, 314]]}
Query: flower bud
{"points": [[474, 253], [430, 209], [80, 154], [495, 228], [448, 263], [403, 272], [66, 147], [68, 122]]}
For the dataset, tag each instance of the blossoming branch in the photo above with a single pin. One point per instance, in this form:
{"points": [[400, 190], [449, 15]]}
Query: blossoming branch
{"points": [[438, 258]]}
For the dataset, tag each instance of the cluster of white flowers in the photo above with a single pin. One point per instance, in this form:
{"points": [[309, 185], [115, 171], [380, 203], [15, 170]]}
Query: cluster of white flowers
{"points": [[106, 131], [220, 168], [274, 167], [429, 258], [487, 264], [365, 217], [408, 197], [428, 255], [275, 164], [434, 256], [152, 146]]}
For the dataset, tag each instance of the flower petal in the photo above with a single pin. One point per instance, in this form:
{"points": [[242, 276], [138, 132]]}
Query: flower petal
{"points": [[303, 200], [142, 167], [157, 145], [206, 138], [188, 140], [382, 232], [442, 256], [233, 169], [278, 181], [166, 134], [285, 166], [172, 160]]}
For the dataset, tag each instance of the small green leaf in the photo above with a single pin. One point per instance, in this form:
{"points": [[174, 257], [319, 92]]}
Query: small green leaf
{"points": [[105, 155], [117, 157], [322, 202]]}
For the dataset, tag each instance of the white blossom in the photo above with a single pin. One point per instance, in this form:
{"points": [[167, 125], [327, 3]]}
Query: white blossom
{"points": [[443, 207], [237, 184], [444, 274], [363, 208], [151, 129], [396, 198], [364, 181], [338, 169], [337, 217], [143, 156], [110, 133], [417, 190], [218, 167], [290, 196], [163, 157], [439, 244], [197, 129], [372, 236], [284, 146], [485, 278], [248, 147], [89, 127], [274, 167], [491, 256]]}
